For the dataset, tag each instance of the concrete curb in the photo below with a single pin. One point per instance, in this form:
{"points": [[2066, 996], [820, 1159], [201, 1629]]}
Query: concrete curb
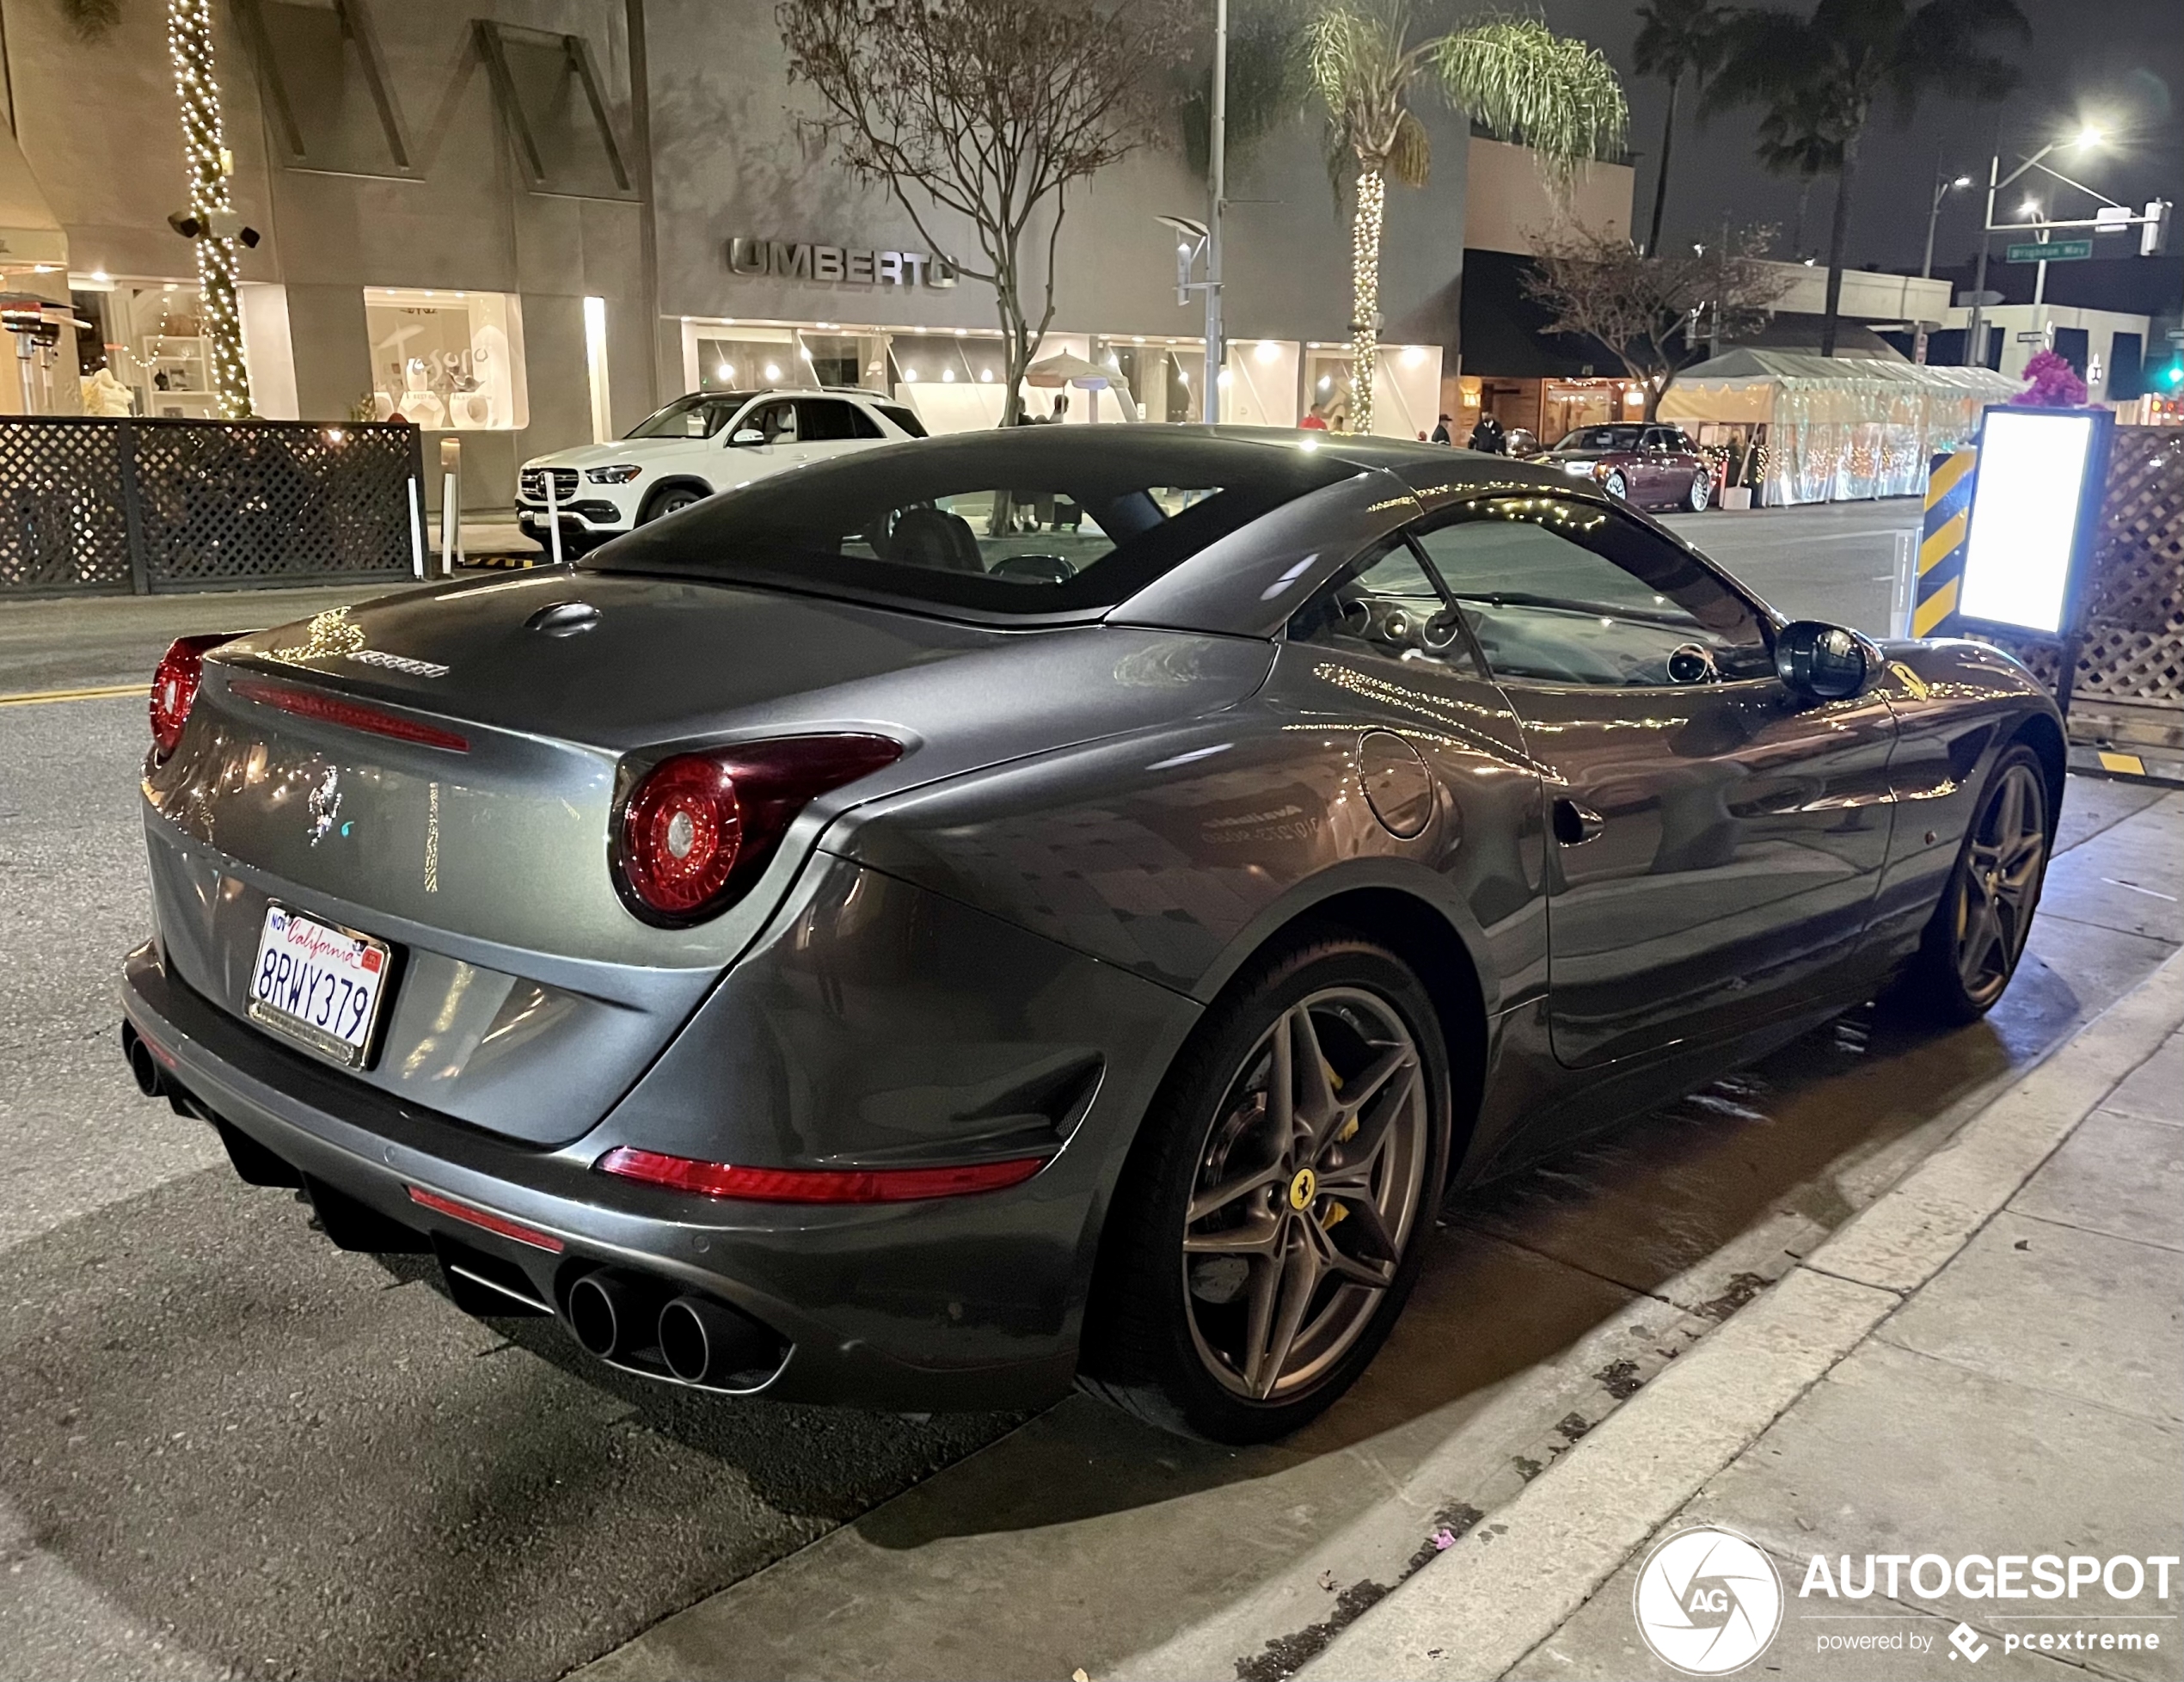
{"points": [[1508, 1584]]}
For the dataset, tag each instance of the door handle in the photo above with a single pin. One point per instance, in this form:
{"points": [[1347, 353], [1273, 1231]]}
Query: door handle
{"points": [[1575, 824]]}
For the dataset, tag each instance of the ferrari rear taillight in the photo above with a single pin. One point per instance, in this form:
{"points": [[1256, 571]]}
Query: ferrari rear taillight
{"points": [[698, 827], [173, 687]]}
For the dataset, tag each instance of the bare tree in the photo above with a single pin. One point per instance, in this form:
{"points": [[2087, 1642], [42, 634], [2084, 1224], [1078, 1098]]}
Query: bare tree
{"points": [[1657, 316], [990, 111]]}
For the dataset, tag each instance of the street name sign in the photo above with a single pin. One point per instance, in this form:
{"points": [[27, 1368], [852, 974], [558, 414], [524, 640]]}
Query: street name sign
{"points": [[2052, 251]]}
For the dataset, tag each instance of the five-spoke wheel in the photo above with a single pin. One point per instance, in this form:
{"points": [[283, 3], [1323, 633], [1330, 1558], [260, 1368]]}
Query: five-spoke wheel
{"points": [[1271, 1218], [1307, 1192], [1977, 934], [1999, 884]]}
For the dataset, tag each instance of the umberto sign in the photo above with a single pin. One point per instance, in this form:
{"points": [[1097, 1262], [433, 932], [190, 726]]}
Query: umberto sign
{"points": [[842, 264]]}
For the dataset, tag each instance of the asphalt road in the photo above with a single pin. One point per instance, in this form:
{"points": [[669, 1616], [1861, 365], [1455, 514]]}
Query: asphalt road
{"points": [[227, 1448]]}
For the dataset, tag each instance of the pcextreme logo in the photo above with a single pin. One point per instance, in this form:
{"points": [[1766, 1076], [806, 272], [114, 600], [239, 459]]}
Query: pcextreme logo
{"points": [[1708, 1601]]}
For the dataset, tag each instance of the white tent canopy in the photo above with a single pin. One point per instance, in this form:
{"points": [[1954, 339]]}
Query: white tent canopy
{"points": [[1837, 428]]}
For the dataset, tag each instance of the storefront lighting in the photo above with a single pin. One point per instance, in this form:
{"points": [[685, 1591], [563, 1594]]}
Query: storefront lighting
{"points": [[1327, 382], [1224, 376], [947, 377], [2030, 207], [986, 375], [1267, 350], [1137, 338], [726, 370], [773, 370], [1413, 355], [910, 375], [100, 276]]}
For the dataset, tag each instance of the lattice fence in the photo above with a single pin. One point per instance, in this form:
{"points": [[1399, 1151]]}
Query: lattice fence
{"points": [[2130, 679], [64, 519], [115, 505]]}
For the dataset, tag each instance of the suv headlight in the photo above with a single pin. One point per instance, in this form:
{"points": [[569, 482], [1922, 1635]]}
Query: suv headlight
{"points": [[611, 476]]}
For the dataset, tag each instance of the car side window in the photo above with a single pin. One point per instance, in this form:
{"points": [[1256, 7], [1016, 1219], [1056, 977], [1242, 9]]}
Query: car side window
{"points": [[1568, 593], [1657, 437], [831, 420], [777, 420], [1387, 602]]}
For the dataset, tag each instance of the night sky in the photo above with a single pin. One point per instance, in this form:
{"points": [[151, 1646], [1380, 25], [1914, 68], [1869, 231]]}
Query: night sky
{"points": [[2120, 63]]}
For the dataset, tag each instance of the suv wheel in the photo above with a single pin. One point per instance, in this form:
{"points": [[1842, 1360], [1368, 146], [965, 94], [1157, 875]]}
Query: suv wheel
{"points": [[671, 500]]}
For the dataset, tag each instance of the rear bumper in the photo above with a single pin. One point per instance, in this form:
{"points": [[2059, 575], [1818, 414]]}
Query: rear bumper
{"points": [[968, 1302]]}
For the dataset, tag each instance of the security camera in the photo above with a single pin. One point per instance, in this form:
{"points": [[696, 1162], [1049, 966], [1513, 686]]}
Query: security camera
{"points": [[185, 224]]}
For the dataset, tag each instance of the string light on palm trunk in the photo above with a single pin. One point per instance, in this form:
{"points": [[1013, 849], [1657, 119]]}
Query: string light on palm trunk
{"points": [[190, 45], [1365, 289]]}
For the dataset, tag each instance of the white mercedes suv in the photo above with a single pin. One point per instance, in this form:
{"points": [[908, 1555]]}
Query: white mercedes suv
{"points": [[705, 442]]}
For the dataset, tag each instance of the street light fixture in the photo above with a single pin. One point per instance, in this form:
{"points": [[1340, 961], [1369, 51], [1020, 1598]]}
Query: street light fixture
{"points": [[2088, 136], [1943, 186]]}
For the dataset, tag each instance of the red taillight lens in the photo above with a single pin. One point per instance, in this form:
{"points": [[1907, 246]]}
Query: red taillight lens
{"points": [[681, 833], [810, 1185], [173, 687], [700, 825]]}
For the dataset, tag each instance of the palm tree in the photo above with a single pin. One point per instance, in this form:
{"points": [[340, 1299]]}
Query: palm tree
{"points": [[1516, 78], [1826, 73], [1676, 38], [1803, 139]]}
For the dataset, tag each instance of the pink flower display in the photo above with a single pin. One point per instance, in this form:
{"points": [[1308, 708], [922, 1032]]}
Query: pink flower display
{"points": [[2055, 383]]}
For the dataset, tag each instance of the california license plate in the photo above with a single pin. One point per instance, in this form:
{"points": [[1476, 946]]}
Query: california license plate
{"points": [[317, 984]]}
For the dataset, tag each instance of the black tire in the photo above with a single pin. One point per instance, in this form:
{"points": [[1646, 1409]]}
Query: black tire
{"points": [[672, 500], [1943, 984], [1152, 1329]]}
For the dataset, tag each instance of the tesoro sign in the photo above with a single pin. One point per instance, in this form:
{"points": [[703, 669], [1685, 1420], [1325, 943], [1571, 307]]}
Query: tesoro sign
{"points": [[839, 264]]}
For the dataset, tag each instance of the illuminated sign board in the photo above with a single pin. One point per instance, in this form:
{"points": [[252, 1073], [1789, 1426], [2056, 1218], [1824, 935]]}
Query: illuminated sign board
{"points": [[2034, 510]]}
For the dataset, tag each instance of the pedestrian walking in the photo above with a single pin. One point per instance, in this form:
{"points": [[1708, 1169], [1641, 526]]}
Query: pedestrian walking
{"points": [[1441, 431], [1487, 437]]}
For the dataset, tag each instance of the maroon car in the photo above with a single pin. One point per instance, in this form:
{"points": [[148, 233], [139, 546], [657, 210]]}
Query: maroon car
{"points": [[1649, 464]]}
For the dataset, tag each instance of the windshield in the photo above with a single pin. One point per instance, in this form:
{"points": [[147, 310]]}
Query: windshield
{"points": [[701, 414], [1037, 521], [1597, 437]]}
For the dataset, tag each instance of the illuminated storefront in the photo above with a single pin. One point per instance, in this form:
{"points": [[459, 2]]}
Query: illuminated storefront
{"points": [[953, 379]]}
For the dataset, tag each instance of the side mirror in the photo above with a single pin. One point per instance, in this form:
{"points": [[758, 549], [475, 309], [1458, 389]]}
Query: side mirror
{"points": [[1824, 662], [748, 435]]}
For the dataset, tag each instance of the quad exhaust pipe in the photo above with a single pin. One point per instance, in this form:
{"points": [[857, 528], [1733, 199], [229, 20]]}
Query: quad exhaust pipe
{"points": [[630, 1320]]}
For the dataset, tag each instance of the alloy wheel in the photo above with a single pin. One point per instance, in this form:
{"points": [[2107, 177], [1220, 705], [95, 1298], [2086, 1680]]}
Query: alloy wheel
{"points": [[2000, 883], [1618, 486], [1701, 492], [1308, 1194]]}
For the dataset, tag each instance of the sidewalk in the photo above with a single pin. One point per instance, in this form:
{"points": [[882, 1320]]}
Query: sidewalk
{"points": [[1988, 1361]]}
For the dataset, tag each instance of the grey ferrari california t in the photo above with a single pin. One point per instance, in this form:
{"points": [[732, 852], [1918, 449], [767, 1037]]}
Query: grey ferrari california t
{"points": [[1063, 905]]}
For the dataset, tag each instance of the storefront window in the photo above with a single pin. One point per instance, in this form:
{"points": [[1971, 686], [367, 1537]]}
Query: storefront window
{"points": [[446, 360], [151, 344]]}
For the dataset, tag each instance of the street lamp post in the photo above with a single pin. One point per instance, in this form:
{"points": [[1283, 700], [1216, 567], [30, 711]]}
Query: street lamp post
{"points": [[1943, 186], [1217, 189], [2044, 225]]}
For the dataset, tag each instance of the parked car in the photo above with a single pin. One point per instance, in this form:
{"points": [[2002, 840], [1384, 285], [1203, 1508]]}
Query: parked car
{"points": [[1649, 466], [698, 444], [1065, 903]]}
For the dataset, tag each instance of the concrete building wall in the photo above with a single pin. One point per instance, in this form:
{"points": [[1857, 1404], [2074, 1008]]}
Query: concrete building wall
{"points": [[1512, 202], [729, 161], [99, 125]]}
